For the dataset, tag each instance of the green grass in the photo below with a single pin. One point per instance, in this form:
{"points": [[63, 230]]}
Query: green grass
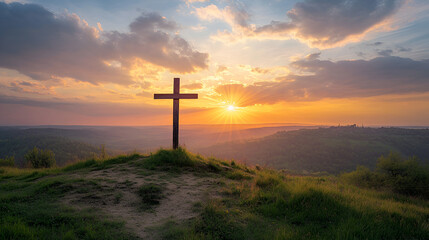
{"points": [[101, 163], [181, 160], [237, 175], [253, 204], [167, 158], [274, 206], [31, 210], [150, 195]]}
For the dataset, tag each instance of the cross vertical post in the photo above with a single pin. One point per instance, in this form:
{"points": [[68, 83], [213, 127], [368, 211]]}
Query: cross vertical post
{"points": [[176, 114], [176, 96]]}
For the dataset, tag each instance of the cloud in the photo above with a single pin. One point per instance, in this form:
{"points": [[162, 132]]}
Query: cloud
{"points": [[375, 44], [322, 79], [209, 13], [221, 68], [329, 22], [235, 15], [188, 2], [260, 70], [95, 109], [198, 28], [193, 86], [403, 49], [43, 45], [322, 24], [385, 52], [25, 87]]}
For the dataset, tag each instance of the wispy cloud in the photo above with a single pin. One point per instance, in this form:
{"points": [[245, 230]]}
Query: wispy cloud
{"points": [[193, 86]]}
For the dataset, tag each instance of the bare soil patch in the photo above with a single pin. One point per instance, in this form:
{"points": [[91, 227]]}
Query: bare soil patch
{"points": [[114, 192]]}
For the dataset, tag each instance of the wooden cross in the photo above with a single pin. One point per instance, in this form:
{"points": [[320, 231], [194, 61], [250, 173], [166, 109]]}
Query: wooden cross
{"points": [[176, 96]]}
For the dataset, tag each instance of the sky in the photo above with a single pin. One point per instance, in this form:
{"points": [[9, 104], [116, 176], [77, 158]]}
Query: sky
{"points": [[99, 62]]}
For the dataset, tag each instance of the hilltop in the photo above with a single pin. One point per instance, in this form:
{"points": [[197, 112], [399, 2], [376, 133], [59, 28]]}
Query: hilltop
{"points": [[178, 195], [332, 150]]}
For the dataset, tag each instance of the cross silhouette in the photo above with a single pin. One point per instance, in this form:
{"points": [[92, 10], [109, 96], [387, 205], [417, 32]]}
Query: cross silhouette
{"points": [[175, 96]]}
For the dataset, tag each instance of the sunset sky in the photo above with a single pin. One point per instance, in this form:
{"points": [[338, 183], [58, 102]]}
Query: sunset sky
{"points": [[99, 62]]}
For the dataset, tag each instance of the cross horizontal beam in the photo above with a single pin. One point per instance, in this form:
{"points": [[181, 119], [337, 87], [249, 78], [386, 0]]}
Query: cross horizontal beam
{"points": [[176, 96]]}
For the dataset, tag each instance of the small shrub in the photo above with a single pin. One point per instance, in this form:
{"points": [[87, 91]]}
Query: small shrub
{"points": [[150, 195], [39, 158], [363, 177], [7, 161], [404, 176]]}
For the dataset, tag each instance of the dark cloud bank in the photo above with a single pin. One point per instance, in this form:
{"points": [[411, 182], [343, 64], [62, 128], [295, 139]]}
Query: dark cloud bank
{"points": [[39, 44], [323, 23], [94, 109], [343, 79]]}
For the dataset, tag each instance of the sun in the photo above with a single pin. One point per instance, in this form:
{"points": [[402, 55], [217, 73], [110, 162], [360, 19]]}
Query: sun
{"points": [[230, 113], [231, 108]]}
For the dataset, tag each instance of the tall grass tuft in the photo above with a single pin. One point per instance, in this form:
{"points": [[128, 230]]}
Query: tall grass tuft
{"points": [[174, 158]]}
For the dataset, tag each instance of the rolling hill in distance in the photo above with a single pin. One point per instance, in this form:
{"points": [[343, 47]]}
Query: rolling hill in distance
{"points": [[299, 148], [333, 149], [72, 143]]}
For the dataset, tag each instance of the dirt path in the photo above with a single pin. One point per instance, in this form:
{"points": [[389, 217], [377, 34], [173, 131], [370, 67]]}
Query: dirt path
{"points": [[114, 192]]}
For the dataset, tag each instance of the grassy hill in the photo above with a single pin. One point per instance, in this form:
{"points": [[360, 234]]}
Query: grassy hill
{"points": [[333, 150], [179, 195]]}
